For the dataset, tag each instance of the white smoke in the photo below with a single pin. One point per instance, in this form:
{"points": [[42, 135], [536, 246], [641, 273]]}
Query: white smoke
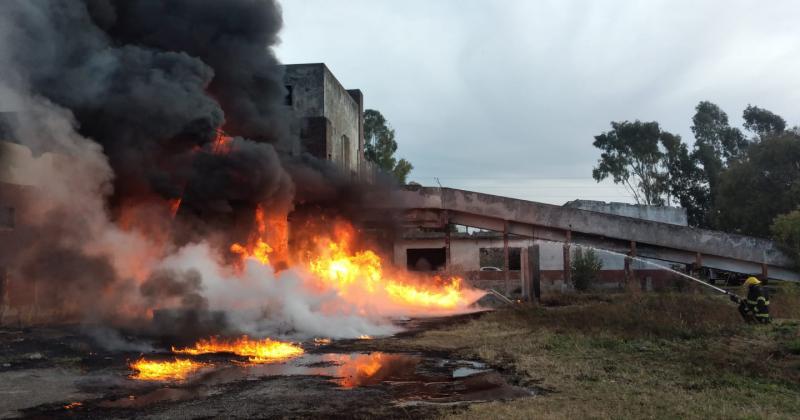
{"points": [[261, 303]]}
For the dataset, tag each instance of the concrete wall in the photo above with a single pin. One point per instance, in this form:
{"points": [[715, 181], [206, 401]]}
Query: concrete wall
{"points": [[465, 253], [307, 85], [316, 93], [465, 261], [344, 113], [425, 206], [671, 215]]}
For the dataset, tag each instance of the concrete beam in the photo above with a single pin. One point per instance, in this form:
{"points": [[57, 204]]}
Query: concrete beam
{"points": [[549, 222]]}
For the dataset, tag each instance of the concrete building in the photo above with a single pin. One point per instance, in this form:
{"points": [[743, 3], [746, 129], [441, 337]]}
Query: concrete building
{"points": [[479, 257], [540, 240], [671, 215], [331, 117]]}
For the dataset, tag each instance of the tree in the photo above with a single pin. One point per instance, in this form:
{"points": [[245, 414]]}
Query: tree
{"points": [[716, 142], [380, 146], [756, 189], [786, 231], [762, 122], [685, 181], [586, 266], [633, 155]]}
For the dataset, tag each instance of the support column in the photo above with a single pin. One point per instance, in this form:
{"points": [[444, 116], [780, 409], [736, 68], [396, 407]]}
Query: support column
{"points": [[446, 242], [764, 273], [567, 262], [630, 273], [698, 264], [524, 272], [534, 274], [506, 274]]}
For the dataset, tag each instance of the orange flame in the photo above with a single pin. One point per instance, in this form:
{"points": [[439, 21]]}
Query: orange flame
{"points": [[337, 266], [258, 351], [151, 370], [366, 369], [223, 143], [357, 275], [257, 247], [174, 206]]}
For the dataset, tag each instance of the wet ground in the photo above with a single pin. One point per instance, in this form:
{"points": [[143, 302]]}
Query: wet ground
{"points": [[46, 373]]}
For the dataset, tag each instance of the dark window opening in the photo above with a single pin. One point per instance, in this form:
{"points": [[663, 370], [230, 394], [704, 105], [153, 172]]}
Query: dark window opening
{"points": [[289, 98], [7, 217], [494, 257], [425, 259]]}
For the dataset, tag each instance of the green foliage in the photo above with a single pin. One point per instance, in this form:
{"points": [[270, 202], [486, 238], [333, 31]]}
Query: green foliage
{"points": [[586, 266], [786, 231], [716, 143], [380, 146], [685, 180], [762, 122], [725, 182], [755, 190], [401, 170], [631, 156]]}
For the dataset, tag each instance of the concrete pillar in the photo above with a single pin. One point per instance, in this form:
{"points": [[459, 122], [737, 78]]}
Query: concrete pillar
{"points": [[506, 273], [630, 272], [698, 264], [534, 274], [446, 242], [523, 275], [567, 263], [3, 288]]}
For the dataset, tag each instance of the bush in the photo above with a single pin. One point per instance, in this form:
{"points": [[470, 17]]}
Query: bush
{"points": [[586, 266]]}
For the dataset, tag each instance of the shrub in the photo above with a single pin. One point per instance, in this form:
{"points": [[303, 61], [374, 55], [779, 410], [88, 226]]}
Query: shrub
{"points": [[586, 266]]}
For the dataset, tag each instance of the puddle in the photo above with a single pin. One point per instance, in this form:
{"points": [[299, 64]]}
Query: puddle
{"points": [[409, 379]]}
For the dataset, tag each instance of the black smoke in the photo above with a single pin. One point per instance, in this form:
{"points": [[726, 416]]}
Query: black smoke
{"points": [[153, 81]]}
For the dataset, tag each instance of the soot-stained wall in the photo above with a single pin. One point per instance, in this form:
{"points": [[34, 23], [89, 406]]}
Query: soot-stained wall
{"points": [[314, 93]]}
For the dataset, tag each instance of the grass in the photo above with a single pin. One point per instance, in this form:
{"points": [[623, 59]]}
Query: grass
{"points": [[653, 356]]}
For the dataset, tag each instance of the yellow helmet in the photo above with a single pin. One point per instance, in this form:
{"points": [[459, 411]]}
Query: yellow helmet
{"points": [[752, 281]]}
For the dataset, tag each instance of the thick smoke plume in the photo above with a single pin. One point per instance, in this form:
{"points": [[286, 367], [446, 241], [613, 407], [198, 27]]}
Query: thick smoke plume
{"points": [[118, 109]]}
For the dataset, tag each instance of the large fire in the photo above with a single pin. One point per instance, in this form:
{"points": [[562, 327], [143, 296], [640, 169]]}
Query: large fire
{"points": [[333, 262], [152, 370], [257, 351]]}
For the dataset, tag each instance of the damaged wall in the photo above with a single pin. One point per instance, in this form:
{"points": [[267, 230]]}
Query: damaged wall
{"points": [[331, 115]]}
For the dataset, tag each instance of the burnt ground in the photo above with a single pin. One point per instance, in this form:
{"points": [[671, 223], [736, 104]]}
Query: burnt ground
{"points": [[62, 373]]}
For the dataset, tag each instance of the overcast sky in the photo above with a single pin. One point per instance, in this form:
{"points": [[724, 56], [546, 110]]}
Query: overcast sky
{"points": [[505, 96]]}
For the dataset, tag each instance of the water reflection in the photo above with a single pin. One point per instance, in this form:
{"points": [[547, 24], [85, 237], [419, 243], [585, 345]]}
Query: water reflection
{"points": [[347, 370]]}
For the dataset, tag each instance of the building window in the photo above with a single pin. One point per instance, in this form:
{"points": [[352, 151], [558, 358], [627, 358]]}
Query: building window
{"points": [[495, 258], [425, 259], [7, 217], [345, 151], [289, 98]]}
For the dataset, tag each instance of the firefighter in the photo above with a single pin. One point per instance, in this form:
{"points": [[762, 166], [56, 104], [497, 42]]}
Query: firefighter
{"points": [[755, 307]]}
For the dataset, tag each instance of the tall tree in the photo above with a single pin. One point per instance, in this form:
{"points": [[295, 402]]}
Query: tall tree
{"points": [[633, 155], [716, 144], [762, 122], [685, 181], [380, 146], [753, 191]]}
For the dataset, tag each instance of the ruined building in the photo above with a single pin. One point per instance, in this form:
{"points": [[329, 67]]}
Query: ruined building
{"points": [[330, 117]]}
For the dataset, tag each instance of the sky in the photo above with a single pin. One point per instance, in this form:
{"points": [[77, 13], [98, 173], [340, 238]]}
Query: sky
{"points": [[505, 97]]}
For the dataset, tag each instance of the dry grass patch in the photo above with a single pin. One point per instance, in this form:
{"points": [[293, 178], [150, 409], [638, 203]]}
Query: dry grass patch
{"points": [[658, 356]]}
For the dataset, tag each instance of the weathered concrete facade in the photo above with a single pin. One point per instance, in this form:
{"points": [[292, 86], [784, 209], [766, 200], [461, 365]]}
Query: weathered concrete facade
{"points": [[332, 125], [671, 215], [465, 260], [568, 228]]}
